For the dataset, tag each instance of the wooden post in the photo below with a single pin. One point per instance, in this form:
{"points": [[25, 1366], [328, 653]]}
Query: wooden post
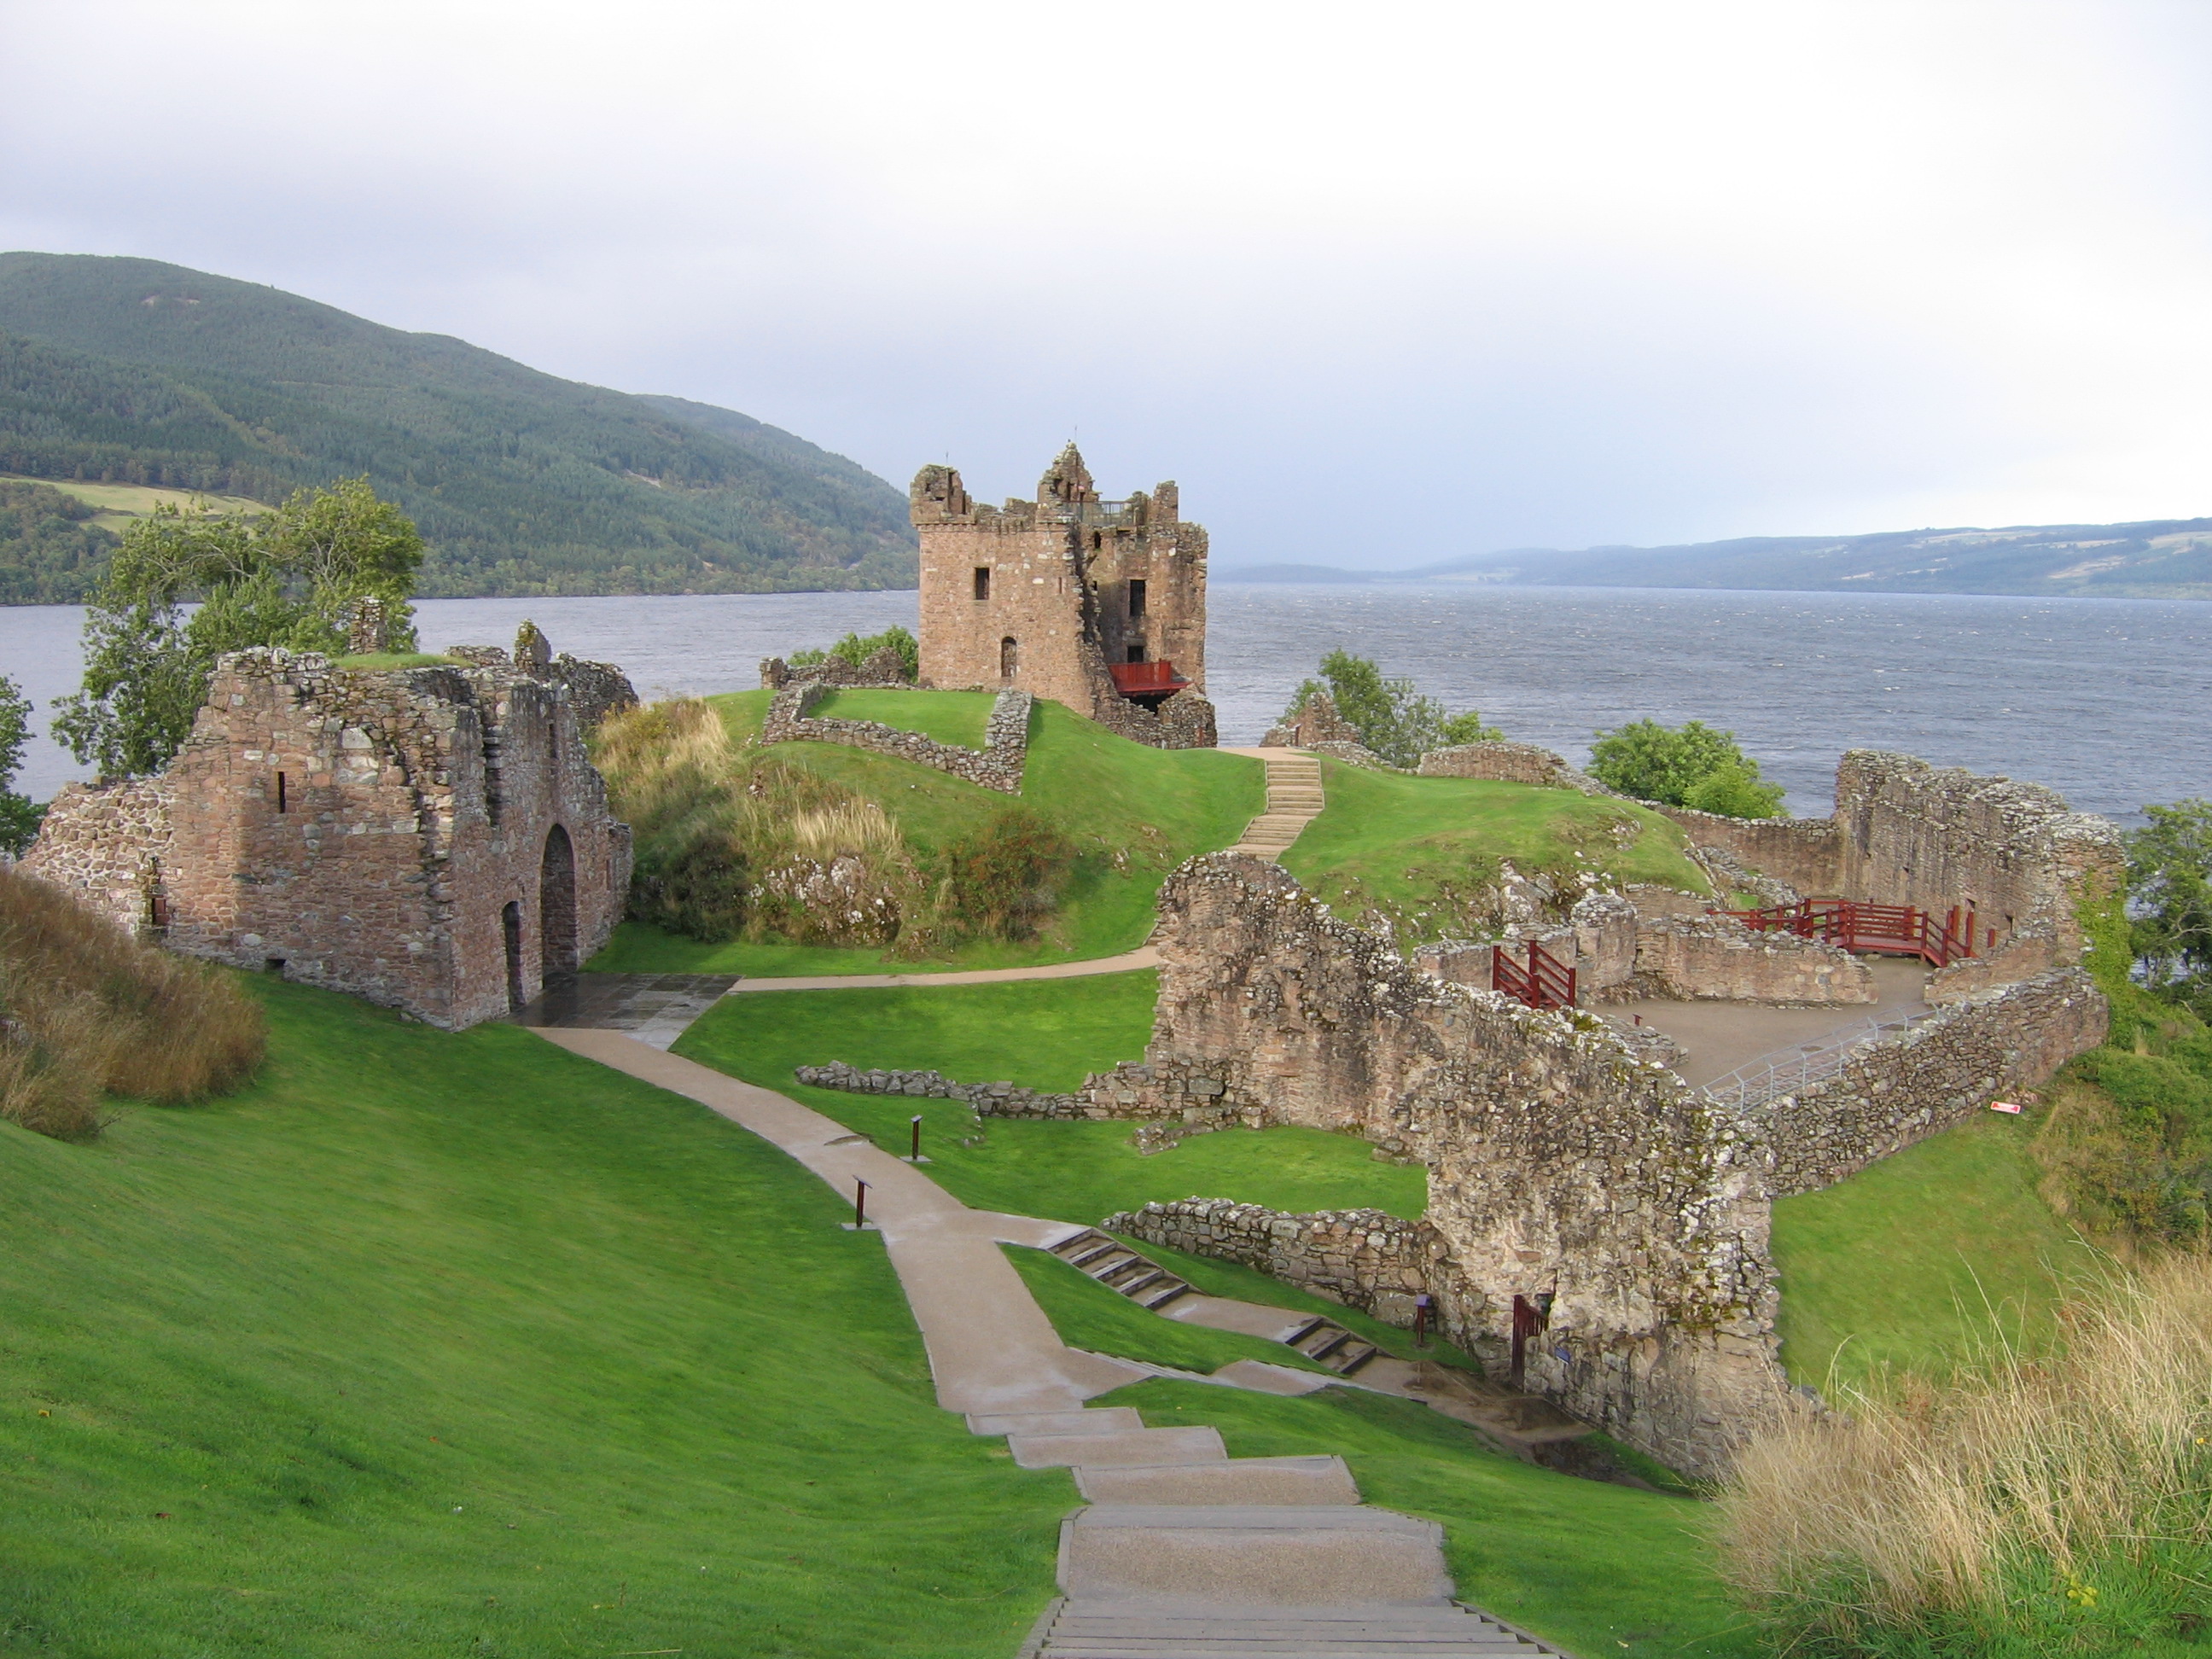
{"points": [[859, 1205], [916, 1158]]}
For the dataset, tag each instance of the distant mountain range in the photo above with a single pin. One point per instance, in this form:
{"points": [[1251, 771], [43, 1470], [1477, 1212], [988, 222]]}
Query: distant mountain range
{"points": [[134, 372], [2158, 558]]}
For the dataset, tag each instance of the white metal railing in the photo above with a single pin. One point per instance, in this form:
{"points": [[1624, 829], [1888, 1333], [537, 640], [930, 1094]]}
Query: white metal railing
{"points": [[1786, 1071]]}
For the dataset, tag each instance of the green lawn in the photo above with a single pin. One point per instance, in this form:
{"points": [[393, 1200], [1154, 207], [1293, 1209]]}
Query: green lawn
{"points": [[1910, 1263], [120, 504], [1088, 1314], [429, 1344], [1045, 1033], [1600, 1570], [1134, 812], [959, 718], [1389, 842]]}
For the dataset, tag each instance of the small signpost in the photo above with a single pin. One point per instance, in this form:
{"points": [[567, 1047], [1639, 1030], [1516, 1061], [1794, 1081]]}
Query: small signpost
{"points": [[858, 1224], [915, 1156]]}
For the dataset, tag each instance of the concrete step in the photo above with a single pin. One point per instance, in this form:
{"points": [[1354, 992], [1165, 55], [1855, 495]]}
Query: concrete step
{"points": [[1285, 1555], [1299, 1480], [1088, 1627], [1104, 1420], [1199, 1445]]}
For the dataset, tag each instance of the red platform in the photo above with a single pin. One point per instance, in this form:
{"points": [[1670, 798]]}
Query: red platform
{"points": [[1139, 679]]}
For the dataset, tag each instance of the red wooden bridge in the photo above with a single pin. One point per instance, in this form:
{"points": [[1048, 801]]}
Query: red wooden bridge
{"points": [[1897, 930]]}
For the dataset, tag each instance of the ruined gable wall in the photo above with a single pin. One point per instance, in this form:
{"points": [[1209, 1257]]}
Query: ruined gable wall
{"points": [[106, 843], [1558, 1162], [1806, 853]]}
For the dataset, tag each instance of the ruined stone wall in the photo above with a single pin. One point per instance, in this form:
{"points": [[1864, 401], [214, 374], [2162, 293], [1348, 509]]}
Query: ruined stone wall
{"points": [[366, 830], [883, 667], [1806, 853], [1559, 1163], [1714, 957], [1185, 720], [1897, 1090], [1509, 763], [106, 843], [1077, 583], [998, 765], [1365, 1258]]}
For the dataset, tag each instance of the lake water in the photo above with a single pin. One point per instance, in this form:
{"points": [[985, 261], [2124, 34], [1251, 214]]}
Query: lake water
{"points": [[2108, 700]]}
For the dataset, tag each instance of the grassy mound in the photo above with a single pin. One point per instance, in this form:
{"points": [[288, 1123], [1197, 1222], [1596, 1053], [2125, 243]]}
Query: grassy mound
{"points": [[1418, 857], [1912, 1264], [438, 1344], [83, 1010], [1045, 1033], [1132, 814]]}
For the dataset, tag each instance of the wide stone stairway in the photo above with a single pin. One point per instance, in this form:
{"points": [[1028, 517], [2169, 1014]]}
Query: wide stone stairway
{"points": [[1185, 1552], [1294, 800]]}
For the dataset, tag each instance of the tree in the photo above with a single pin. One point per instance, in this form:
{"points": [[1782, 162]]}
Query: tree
{"points": [[287, 579], [1693, 765], [1391, 716], [2170, 894], [19, 816], [856, 649]]}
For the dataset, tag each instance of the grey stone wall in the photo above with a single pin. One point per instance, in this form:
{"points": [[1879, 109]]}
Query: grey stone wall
{"points": [[1365, 1258], [106, 843], [1899, 1090], [998, 765], [1716, 957], [1509, 763]]}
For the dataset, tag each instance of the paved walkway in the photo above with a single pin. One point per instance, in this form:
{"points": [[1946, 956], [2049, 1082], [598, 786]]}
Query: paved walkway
{"points": [[1183, 1550], [1718, 1037], [1128, 961]]}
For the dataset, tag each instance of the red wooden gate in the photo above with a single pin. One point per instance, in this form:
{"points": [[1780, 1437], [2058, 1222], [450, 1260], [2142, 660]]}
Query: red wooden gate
{"points": [[1543, 981]]}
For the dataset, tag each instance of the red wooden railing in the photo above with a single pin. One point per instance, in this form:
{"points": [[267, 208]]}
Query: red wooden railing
{"points": [[1543, 981], [1897, 930]]}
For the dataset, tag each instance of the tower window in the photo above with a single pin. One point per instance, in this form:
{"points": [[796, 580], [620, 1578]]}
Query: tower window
{"points": [[1136, 599], [1137, 651], [982, 581], [281, 804], [1009, 659]]}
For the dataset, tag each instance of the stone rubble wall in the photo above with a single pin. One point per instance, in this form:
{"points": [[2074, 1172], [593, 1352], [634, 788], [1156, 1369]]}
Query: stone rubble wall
{"points": [[998, 765], [1805, 852], [1365, 1258], [1185, 720], [988, 1099], [105, 843], [1559, 1163], [882, 667], [1717, 957], [1897, 1090], [1314, 721], [1509, 763]]}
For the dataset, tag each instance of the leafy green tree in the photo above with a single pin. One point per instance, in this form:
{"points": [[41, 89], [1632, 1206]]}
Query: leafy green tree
{"points": [[1693, 765], [1391, 716], [287, 579], [857, 649], [2170, 896], [19, 816]]}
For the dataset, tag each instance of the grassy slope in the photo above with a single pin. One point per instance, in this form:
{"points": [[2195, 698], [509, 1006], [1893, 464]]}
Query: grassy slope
{"points": [[434, 1344], [1135, 812], [1045, 1033], [121, 504], [1378, 826], [1087, 1315], [1910, 1263], [1599, 1569]]}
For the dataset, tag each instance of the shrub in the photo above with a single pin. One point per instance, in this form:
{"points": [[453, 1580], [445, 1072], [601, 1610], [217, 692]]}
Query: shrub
{"points": [[1670, 765], [856, 649], [1001, 880], [2060, 1505], [88, 1011], [1391, 716]]}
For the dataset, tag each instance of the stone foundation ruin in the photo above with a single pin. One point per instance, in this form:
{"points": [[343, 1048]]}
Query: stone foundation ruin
{"points": [[434, 839], [999, 764]]}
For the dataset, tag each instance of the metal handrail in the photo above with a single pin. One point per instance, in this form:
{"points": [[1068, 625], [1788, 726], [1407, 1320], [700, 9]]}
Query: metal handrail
{"points": [[1785, 1071]]}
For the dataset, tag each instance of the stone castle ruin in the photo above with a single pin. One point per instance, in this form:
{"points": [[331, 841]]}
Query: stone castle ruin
{"points": [[1100, 604], [434, 839]]}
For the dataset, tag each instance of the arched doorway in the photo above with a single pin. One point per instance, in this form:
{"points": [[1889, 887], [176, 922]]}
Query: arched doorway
{"points": [[510, 928], [1009, 659], [556, 905]]}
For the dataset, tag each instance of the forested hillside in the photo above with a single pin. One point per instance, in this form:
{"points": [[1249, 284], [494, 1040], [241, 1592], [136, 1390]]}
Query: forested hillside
{"points": [[50, 549], [139, 372]]}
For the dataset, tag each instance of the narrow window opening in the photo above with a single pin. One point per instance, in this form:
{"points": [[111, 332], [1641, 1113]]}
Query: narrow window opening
{"points": [[1097, 541], [1137, 651], [1009, 659], [982, 581], [510, 928], [1136, 598], [281, 805]]}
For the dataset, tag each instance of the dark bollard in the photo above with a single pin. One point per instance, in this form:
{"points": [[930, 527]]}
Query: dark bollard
{"points": [[1421, 1321], [917, 1138], [859, 1206]]}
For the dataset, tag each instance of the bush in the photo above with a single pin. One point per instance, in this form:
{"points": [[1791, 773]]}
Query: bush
{"points": [[1391, 716], [1000, 882], [856, 649], [1693, 765], [88, 1011], [2058, 1504]]}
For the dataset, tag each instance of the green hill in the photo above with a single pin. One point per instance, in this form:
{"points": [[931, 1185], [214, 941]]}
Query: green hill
{"points": [[135, 372]]}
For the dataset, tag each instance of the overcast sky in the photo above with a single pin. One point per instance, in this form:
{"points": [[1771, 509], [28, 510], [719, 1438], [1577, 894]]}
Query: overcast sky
{"points": [[1378, 284]]}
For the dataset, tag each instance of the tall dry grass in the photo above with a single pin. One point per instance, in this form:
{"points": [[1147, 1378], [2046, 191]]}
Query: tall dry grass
{"points": [[2052, 1504], [85, 1012]]}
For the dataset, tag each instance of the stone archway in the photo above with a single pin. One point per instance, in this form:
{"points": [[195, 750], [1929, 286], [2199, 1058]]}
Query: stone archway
{"points": [[1010, 655], [556, 905]]}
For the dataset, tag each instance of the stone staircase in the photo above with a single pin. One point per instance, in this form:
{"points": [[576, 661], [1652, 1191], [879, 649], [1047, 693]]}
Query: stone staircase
{"points": [[1294, 800], [1184, 1552]]}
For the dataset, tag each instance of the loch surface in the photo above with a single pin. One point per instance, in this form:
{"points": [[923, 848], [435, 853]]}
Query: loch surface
{"points": [[2108, 700]]}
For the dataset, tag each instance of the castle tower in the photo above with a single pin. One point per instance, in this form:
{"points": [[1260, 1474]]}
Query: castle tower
{"points": [[1098, 604]]}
